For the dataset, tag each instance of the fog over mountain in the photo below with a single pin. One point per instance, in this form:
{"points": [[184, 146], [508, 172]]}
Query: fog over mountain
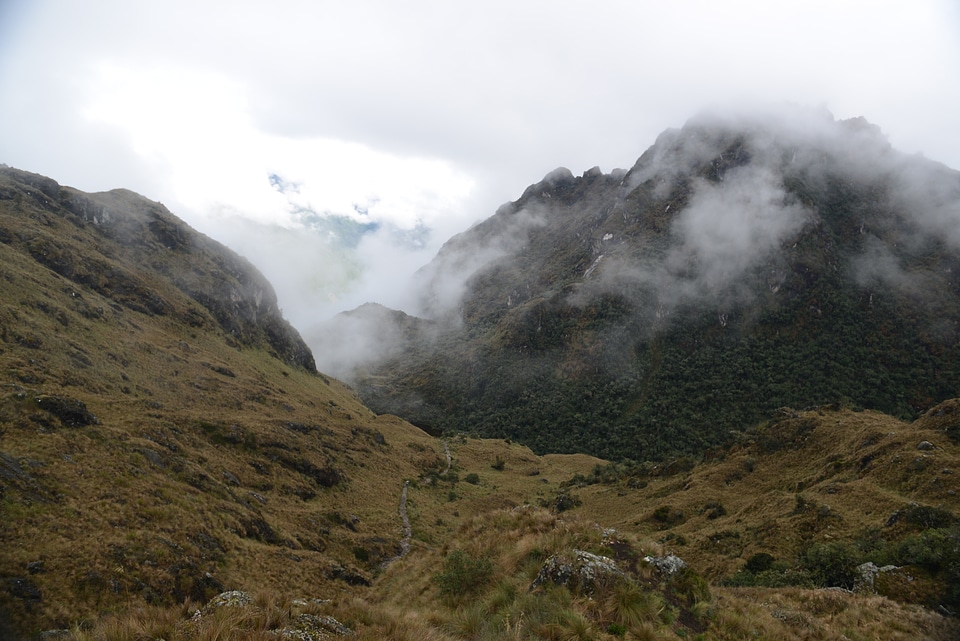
{"points": [[752, 240], [400, 126]]}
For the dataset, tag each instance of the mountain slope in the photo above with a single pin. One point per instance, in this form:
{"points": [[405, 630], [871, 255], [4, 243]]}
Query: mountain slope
{"points": [[743, 264], [163, 432], [152, 456]]}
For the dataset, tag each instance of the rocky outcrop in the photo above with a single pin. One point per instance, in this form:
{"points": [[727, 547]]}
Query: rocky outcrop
{"points": [[70, 411], [666, 565], [867, 574], [302, 627], [312, 627], [580, 571]]}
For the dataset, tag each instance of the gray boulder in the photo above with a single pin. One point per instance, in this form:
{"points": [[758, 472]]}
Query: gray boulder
{"points": [[667, 565], [580, 571]]}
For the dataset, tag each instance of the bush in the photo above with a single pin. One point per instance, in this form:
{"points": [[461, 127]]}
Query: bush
{"points": [[927, 517], [668, 516], [714, 509], [566, 502], [498, 464], [472, 478], [934, 549], [463, 575], [759, 562], [832, 564], [662, 513]]}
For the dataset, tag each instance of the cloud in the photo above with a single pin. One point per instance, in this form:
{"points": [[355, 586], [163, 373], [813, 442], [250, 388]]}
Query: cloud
{"points": [[442, 283], [428, 114], [728, 228]]}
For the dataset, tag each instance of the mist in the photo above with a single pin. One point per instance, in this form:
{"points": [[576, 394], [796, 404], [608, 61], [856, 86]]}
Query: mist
{"points": [[732, 179], [726, 230]]}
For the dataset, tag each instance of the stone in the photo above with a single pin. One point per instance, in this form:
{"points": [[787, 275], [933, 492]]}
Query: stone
{"points": [[70, 411], [25, 589], [925, 446], [581, 571], [867, 576], [313, 627], [667, 565], [229, 599]]}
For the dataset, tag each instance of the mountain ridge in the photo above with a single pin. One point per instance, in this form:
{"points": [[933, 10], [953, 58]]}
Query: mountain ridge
{"points": [[231, 290], [743, 263]]}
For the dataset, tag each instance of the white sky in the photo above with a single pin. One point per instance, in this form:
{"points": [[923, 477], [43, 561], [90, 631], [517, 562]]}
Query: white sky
{"points": [[429, 112]]}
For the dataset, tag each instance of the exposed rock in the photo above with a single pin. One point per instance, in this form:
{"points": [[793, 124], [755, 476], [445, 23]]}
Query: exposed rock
{"points": [[153, 456], [925, 446], [25, 589], [583, 571], [867, 576], [230, 599], [313, 627], [668, 565], [70, 411], [10, 470], [347, 575]]}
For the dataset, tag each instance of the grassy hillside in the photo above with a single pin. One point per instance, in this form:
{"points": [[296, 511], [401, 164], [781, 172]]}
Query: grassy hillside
{"points": [[767, 529]]}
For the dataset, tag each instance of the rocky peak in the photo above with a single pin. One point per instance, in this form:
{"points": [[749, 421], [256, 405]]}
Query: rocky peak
{"points": [[132, 249]]}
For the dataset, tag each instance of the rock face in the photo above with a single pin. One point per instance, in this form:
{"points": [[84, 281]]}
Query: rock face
{"points": [[867, 576], [741, 265], [666, 565], [128, 248], [303, 627], [580, 571]]}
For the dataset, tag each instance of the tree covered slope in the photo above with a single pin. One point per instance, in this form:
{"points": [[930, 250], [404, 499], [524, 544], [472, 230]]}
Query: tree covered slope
{"points": [[742, 264]]}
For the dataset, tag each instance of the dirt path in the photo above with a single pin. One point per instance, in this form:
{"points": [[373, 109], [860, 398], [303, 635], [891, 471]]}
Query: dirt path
{"points": [[407, 530], [446, 450]]}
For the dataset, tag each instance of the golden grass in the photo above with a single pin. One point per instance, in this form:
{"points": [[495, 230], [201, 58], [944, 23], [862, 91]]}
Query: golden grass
{"points": [[853, 471]]}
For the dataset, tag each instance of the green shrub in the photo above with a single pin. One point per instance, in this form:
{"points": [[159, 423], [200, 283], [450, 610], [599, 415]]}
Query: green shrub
{"points": [[668, 516], [616, 629], [714, 510], [472, 478], [832, 564], [934, 549], [564, 501], [361, 554], [759, 562], [926, 517], [463, 575]]}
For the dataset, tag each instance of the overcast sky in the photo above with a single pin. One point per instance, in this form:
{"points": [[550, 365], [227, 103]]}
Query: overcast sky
{"points": [[422, 115]]}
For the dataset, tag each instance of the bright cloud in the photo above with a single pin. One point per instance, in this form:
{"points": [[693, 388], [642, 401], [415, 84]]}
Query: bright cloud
{"points": [[197, 125], [425, 115]]}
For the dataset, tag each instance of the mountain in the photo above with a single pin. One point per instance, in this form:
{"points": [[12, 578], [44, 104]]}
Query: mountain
{"points": [[173, 467], [164, 432], [744, 263]]}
